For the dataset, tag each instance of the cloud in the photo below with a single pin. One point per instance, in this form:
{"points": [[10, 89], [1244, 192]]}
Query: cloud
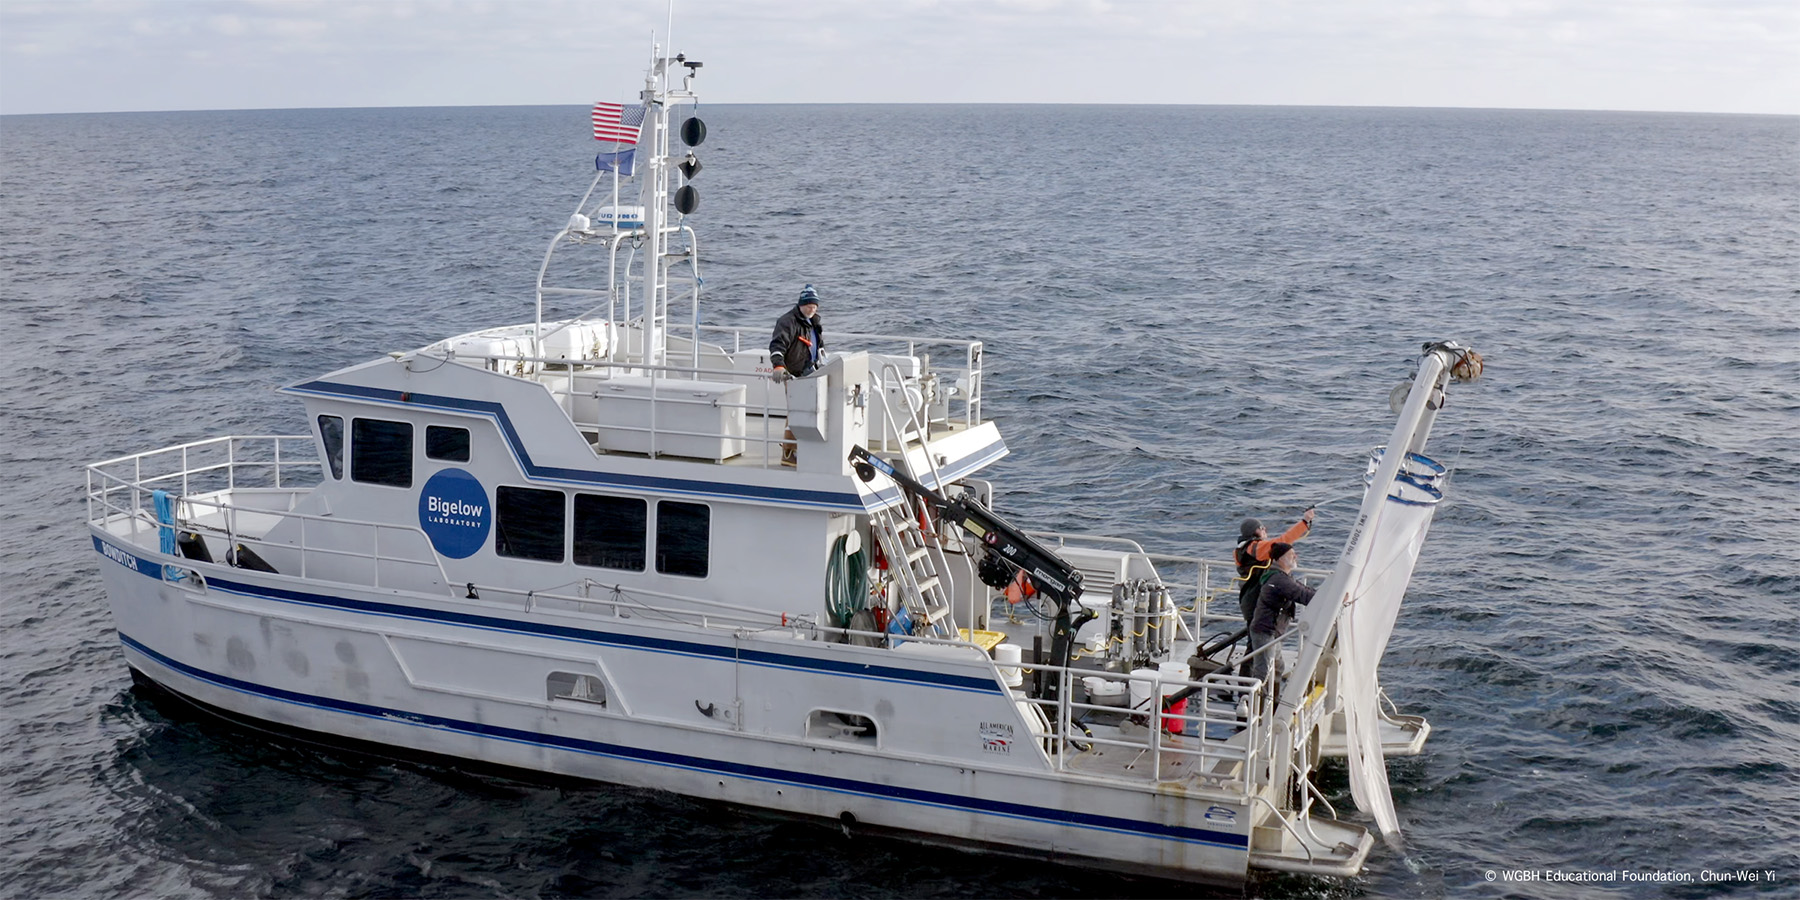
{"points": [[1723, 55]]}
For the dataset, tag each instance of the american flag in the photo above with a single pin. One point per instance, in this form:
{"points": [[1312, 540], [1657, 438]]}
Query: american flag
{"points": [[617, 123]]}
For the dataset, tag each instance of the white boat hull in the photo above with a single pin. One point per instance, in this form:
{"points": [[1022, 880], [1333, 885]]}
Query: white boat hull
{"points": [[355, 665]]}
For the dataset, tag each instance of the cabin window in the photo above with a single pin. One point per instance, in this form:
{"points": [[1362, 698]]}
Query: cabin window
{"points": [[575, 686], [381, 452], [331, 434], [447, 443], [683, 538], [528, 523], [610, 532]]}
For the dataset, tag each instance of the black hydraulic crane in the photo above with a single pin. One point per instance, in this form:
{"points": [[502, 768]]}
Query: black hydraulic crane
{"points": [[1049, 574]]}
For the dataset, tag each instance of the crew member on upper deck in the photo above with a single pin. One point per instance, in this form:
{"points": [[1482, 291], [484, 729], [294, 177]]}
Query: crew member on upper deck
{"points": [[798, 345]]}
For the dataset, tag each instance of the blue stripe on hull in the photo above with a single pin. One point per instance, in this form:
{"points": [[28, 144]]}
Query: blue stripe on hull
{"points": [[611, 639], [570, 633], [1059, 817]]}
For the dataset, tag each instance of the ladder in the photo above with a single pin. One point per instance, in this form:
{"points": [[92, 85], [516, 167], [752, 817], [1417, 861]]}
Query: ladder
{"points": [[917, 565], [915, 556]]}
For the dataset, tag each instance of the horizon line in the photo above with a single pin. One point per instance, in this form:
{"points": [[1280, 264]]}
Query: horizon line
{"points": [[1368, 106]]}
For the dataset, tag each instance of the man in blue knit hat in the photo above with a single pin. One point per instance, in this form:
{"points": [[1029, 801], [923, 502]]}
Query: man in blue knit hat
{"points": [[798, 346], [796, 350]]}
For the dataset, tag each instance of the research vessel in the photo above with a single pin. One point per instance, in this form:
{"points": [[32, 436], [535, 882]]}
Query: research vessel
{"points": [[613, 543]]}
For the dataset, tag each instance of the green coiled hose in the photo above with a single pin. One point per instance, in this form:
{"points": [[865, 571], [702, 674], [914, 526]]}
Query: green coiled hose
{"points": [[846, 582]]}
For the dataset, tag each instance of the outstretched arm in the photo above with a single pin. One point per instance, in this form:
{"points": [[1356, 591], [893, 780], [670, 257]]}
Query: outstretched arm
{"points": [[1299, 529]]}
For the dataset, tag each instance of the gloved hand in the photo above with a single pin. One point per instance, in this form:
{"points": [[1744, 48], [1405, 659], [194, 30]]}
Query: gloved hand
{"points": [[780, 375]]}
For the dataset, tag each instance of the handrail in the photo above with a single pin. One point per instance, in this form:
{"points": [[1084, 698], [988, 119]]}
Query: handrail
{"points": [[182, 469], [971, 352], [230, 514], [726, 615], [559, 375], [1285, 824], [734, 617], [203, 443]]}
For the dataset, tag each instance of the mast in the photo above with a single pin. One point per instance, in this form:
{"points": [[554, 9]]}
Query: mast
{"points": [[655, 193], [660, 98]]}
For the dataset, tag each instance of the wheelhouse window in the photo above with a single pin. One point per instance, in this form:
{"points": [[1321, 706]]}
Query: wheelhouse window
{"points": [[683, 538], [611, 532], [447, 443], [381, 452], [331, 434], [528, 523]]}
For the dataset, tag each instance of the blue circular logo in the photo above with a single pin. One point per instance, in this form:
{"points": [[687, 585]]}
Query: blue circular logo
{"points": [[455, 513]]}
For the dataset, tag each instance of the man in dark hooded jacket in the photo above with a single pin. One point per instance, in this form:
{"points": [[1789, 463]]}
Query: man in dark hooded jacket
{"points": [[1281, 593], [798, 345]]}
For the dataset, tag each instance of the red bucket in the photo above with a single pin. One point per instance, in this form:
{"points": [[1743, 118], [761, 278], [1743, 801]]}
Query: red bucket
{"points": [[1171, 724]]}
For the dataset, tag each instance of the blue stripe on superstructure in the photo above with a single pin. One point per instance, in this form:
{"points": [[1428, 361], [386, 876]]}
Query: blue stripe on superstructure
{"points": [[497, 411], [613, 639], [839, 500], [1051, 815]]}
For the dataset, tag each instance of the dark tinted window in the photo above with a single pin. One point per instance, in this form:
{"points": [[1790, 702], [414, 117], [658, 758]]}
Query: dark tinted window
{"points": [[610, 532], [528, 523], [683, 538], [331, 433], [381, 452], [444, 442]]}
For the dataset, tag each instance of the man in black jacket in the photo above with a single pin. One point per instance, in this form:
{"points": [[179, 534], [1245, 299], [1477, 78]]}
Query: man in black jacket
{"points": [[1275, 607], [798, 345], [796, 349]]}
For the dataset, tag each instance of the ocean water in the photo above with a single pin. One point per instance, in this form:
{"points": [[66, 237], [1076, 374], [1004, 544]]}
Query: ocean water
{"points": [[1192, 315]]}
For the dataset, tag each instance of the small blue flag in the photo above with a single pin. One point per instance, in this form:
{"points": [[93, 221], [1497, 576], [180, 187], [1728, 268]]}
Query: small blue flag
{"points": [[623, 162]]}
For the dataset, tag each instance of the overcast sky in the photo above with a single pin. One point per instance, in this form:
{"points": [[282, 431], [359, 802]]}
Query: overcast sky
{"points": [[1681, 55]]}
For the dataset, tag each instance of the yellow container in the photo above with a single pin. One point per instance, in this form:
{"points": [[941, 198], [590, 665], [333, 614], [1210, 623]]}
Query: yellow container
{"points": [[986, 640]]}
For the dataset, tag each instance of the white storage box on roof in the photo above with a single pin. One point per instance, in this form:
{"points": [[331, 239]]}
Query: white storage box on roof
{"points": [[694, 419]]}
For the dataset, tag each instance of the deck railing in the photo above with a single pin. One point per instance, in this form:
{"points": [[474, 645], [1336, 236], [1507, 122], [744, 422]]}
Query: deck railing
{"points": [[969, 352], [220, 483], [120, 489], [561, 376], [1225, 729]]}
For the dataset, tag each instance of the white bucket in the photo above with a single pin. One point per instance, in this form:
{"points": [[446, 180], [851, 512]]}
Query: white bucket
{"points": [[1172, 671], [1176, 672], [1141, 679], [1011, 674]]}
